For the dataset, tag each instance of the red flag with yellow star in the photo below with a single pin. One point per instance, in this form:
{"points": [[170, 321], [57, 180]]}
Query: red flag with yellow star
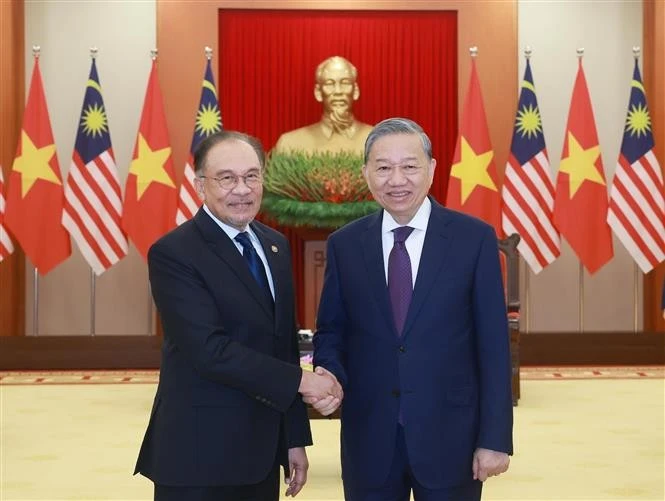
{"points": [[473, 187], [150, 194], [35, 195], [580, 204]]}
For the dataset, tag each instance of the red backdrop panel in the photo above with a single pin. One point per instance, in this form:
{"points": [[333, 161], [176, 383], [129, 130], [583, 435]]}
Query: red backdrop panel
{"points": [[406, 61]]}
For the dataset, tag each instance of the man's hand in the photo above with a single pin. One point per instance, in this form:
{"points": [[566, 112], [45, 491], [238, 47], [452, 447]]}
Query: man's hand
{"points": [[315, 386], [298, 466], [487, 463], [329, 404]]}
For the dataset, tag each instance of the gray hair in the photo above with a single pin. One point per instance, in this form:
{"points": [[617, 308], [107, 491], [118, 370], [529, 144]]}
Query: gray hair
{"points": [[204, 147], [397, 125]]}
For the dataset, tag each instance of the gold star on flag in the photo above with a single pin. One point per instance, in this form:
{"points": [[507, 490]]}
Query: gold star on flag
{"points": [[148, 167], [471, 170], [33, 164], [580, 165]]}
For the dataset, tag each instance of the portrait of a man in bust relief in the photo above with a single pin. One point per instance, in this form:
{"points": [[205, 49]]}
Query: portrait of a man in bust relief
{"points": [[336, 88]]}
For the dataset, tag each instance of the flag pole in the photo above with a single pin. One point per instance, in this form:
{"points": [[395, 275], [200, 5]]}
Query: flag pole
{"points": [[35, 303], [36, 50], [153, 55], [93, 276], [527, 302], [636, 294], [636, 270], [580, 288]]}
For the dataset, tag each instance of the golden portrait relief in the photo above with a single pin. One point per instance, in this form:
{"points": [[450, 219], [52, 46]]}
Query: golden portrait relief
{"points": [[336, 88]]}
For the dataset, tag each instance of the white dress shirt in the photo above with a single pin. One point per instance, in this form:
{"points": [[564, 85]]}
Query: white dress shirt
{"points": [[414, 244], [232, 232]]}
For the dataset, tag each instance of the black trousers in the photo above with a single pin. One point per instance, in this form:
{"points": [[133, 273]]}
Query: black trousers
{"points": [[266, 490]]}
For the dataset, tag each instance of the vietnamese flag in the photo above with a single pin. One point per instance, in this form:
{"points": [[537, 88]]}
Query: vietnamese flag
{"points": [[580, 203], [473, 187], [35, 195], [150, 191]]}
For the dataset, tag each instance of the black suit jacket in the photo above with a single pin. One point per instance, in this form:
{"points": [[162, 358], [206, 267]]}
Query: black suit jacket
{"points": [[227, 401]]}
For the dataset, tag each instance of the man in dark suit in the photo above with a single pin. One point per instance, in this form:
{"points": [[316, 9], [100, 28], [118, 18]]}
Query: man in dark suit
{"points": [[412, 322], [227, 411]]}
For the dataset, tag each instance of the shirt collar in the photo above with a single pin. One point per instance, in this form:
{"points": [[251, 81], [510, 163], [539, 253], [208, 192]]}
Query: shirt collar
{"points": [[229, 230], [418, 221]]}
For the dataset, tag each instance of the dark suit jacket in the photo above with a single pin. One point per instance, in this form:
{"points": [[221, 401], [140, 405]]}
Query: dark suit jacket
{"points": [[227, 399], [450, 368]]}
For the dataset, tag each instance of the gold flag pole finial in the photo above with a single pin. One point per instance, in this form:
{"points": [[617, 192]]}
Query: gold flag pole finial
{"points": [[208, 52], [473, 51], [153, 54], [636, 52], [527, 52], [580, 52], [36, 51], [93, 52]]}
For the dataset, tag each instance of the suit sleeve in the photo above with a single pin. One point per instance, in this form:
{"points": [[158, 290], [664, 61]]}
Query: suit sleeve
{"points": [[299, 433], [492, 349], [331, 320], [190, 319]]}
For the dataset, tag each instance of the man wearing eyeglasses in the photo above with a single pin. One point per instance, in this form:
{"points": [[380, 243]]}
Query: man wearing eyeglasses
{"points": [[412, 322], [228, 409]]}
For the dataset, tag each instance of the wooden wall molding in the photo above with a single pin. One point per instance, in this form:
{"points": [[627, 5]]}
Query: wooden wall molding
{"points": [[143, 352], [12, 97], [653, 73]]}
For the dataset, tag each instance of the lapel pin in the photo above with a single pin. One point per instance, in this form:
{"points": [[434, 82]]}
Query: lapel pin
{"points": [[273, 248]]}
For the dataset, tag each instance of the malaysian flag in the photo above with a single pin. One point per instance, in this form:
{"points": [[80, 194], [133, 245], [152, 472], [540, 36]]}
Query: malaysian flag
{"points": [[637, 208], [93, 203], [528, 189], [208, 121], [6, 246]]}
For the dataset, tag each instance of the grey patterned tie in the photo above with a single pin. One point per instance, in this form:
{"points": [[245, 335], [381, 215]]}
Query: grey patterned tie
{"points": [[400, 281]]}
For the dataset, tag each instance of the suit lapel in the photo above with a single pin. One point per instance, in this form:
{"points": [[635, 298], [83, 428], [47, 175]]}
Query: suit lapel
{"points": [[280, 270], [226, 250], [435, 247], [372, 248]]}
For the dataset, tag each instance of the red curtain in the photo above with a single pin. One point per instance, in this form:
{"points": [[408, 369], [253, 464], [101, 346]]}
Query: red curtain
{"points": [[406, 61]]}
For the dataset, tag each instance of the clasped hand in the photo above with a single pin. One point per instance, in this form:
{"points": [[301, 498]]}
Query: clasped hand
{"points": [[321, 390]]}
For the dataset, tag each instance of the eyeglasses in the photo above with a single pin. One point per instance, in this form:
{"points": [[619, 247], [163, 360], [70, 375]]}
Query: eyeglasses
{"points": [[230, 181], [406, 170]]}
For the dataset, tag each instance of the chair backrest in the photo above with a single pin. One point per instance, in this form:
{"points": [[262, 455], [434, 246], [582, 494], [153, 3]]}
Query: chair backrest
{"points": [[510, 270]]}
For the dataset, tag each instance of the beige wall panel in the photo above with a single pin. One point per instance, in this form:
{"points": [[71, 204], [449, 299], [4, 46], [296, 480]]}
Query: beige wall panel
{"points": [[607, 30], [124, 32]]}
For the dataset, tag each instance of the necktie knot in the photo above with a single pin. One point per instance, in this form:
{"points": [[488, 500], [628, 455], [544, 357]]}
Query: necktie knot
{"points": [[243, 239], [401, 233]]}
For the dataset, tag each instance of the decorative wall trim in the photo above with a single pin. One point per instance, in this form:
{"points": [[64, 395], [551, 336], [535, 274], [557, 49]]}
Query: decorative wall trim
{"points": [[143, 352]]}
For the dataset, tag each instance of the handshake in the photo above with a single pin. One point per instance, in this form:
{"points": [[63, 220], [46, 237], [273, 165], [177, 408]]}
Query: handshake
{"points": [[321, 390]]}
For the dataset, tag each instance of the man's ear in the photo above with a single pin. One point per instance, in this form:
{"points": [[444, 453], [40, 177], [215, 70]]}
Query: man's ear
{"points": [[356, 92], [198, 186], [317, 93]]}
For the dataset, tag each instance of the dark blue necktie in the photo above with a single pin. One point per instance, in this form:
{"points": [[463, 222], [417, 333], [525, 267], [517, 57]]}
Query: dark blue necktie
{"points": [[254, 262], [400, 282]]}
